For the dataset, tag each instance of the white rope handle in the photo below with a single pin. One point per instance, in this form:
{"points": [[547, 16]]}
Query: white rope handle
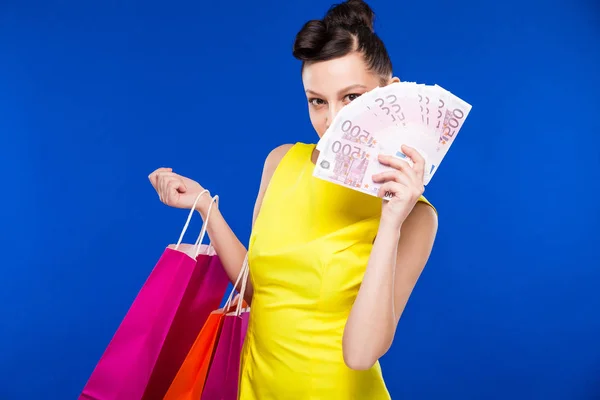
{"points": [[187, 223], [243, 277], [238, 310], [198, 244]]}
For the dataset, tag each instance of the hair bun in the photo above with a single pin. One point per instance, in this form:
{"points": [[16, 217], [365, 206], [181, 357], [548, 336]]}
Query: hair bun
{"points": [[351, 14], [310, 40], [346, 28]]}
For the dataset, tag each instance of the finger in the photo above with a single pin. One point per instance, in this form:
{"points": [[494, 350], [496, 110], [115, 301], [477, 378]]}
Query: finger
{"points": [[174, 187], [398, 164], [163, 181], [392, 189], [393, 175], [177, 184], [167, 186], [154, 175], [418, 160], [171, 197]]}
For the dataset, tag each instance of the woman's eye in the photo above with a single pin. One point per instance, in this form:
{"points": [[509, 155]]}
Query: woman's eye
{"points": [[353, 96], [316, 102]]}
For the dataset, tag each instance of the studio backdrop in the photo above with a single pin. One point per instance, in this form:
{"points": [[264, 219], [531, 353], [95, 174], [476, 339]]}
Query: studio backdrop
{"points": [[96, 95]]}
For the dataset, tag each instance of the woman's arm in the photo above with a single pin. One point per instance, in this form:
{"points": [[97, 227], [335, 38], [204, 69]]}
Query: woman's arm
{"points": [[230, 249], [400, 251], [397, 260]]}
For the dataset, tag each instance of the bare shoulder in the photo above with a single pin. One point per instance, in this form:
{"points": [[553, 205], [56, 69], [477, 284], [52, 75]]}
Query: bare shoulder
{"points": [[275, 157], [272, 161], [422, 220]]}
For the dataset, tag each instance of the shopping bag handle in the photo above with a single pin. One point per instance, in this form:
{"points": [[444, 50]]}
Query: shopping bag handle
{"points": [[198, 244], [189, 218], [243, 276], [239, 308]]}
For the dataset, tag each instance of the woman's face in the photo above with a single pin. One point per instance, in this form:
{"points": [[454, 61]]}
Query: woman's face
{"points": [[330, 85]]}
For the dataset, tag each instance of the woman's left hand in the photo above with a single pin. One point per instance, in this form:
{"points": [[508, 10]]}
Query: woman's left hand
{"points": [[403, 185]]}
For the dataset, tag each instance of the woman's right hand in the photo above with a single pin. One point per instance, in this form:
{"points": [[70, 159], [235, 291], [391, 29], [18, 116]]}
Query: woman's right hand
{"points": [[175, 190]]}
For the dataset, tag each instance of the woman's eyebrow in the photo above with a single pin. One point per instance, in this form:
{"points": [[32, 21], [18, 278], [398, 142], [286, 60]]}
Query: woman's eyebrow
{"points": [[351, 87], [355, 86]]}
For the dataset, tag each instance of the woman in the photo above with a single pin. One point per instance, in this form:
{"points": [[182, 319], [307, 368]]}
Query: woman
{"points": [[331, 268]]}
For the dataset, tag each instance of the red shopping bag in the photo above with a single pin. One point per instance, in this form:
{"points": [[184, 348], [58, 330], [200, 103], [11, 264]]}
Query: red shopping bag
{"points": [[147, 349], [223, 375]]}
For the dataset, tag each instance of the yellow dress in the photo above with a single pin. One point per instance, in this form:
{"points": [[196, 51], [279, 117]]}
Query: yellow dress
{"points": [[308, 253]]}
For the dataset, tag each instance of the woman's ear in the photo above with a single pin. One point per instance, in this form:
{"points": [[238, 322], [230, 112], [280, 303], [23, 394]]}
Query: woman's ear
{"points": [[393, 79]]}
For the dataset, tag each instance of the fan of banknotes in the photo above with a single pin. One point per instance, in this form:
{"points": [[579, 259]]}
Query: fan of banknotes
{"points": [[425, 117]]}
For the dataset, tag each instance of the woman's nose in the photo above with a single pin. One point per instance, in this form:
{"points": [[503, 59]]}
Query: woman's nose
{"points": [[331, 114]]}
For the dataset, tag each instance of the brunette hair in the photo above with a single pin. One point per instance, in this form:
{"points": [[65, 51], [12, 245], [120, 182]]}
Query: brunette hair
{"points": [[347, 27]]}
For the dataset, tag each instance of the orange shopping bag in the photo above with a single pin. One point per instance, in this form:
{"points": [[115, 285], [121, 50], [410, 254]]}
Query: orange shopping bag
{"points": [[191, 377], [189, 381]]}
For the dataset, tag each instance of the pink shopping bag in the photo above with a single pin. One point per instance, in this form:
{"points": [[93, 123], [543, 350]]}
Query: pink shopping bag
{"points": [[223, 374], [161, 325]]}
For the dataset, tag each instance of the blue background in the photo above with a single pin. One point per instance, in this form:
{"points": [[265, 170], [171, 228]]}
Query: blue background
{"points": [[95, 95]]}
